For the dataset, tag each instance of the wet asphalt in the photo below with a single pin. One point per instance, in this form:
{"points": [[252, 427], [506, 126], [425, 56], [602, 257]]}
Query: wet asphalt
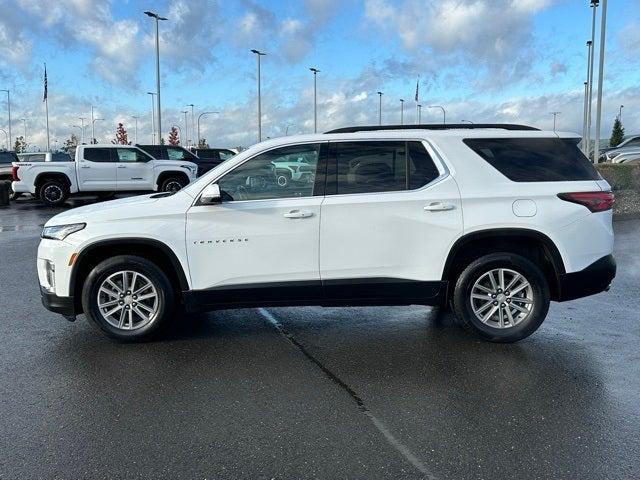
{"points": [[328, 393]]}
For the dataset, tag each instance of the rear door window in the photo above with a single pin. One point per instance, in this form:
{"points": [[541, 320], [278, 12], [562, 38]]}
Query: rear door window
{"points": [[535, 159]]}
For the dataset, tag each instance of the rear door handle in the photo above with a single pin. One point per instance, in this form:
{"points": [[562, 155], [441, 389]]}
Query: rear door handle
{"points": [[122, 166], [438, 207], [298, 214]]}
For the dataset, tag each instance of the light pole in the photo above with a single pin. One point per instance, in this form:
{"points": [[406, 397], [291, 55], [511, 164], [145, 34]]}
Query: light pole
{"points": [[594, 5], [620, 113], [93, 124], [184, 112], [585, 148], [6, 136], [587, 100], [199, 117], [462, 121], [192, 122], [315, 100], [24, 124], [401, 111], [8, 111], [158, 18], [444, 112], [81, 129], [419, 107], [286, 130], [603, 34], [379, 108], [82, 132], [135, 132], [555, 114], [153, 116], [258, 55]]}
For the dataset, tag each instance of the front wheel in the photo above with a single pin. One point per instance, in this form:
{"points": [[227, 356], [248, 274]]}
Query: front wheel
{"points": [[128, 297], [502, 297], [172, 184]]}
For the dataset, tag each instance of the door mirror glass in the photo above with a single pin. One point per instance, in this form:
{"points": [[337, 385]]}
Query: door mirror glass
{"points": [[211, 195]]}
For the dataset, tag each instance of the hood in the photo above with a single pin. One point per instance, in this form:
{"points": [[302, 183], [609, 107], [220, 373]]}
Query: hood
{"points": [[139, 206]]}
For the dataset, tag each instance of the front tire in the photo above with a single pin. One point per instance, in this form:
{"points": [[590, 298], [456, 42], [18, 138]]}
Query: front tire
{"points": [[172, 184], [501, 297], [53, 193], [129, 298]]}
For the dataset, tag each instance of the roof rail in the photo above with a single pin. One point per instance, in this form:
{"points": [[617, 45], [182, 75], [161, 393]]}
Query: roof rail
{"points": [[433, 126]]}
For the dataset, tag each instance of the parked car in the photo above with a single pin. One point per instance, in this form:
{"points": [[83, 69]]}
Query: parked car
{"points": [[44, 157], [618, 155], [101, 169], [382, 224], [212, 157], [6, 165], [294, 168], [175, 152]]}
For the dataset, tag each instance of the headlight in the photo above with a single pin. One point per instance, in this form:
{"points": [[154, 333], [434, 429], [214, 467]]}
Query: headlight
{"points": [[60, 232]]}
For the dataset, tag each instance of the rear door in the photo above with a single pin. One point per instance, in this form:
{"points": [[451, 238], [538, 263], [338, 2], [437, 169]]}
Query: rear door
{"points": [[134, 172], [97, 170], [388, 219]]}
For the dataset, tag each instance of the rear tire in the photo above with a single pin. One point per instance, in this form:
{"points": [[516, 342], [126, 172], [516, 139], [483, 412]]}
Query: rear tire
{"points": [[133, 310], [501, 297], [53, 193], [172, 184]]}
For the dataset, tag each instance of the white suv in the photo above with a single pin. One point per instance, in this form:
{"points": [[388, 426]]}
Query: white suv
{"points": [[496, 220]]}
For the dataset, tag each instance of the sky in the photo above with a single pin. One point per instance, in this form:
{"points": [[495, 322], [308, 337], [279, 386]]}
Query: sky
{"points": [[483, 60]]}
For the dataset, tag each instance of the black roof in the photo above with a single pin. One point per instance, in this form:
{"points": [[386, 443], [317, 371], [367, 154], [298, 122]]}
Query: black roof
{"points": [[433, 126]]}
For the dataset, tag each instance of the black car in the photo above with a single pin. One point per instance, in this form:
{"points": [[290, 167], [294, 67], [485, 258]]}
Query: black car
{"points": [[213, 156], [173, 152]]}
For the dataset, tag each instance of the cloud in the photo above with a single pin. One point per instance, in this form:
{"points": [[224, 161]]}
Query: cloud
{"points": [[557, 68], [15, 47]]}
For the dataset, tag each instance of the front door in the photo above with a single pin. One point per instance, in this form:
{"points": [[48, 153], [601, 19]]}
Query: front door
{"points": [[96, 170], [261, 243], [389, 217], [134, 170]]}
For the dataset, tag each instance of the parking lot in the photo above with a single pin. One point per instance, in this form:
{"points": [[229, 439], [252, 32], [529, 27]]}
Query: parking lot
{"points": [[396, 392]]}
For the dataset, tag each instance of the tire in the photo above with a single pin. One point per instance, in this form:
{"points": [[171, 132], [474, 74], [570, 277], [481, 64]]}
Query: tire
{"points": [[172, 184], [533, 298], [283, 178], [127, 324], [53, 193]]}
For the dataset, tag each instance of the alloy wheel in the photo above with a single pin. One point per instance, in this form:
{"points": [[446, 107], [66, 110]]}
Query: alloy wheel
{"points": [[128, 300]]}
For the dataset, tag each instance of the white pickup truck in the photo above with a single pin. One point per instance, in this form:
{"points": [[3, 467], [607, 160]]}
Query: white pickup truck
{"points": [[101, 169]]}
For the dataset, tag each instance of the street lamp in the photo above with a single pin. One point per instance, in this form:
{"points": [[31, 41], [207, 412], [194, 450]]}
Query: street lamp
{"points": [[401, 111], [153, 116], [620, 113], [315, 100], [135, 134], [258, 55], [286, 130], [419, 107], [190, 141], [184, 112], [555, 114], [444, 113], [82, 126], [603, 32], [380, 108], [158, 18], [24, 124], [591, 44], [199, 117], [93, 123], [462, 121], [8, 109]]}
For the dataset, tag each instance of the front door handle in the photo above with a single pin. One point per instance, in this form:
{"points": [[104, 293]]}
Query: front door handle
{"points": [[438, 207], [85, 166], [122, 166], [298, 214]]}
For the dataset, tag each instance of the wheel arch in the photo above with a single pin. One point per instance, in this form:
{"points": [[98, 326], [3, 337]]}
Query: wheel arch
{"points": [[44, 176], [151, 249], [162, 176], [529, 243]]}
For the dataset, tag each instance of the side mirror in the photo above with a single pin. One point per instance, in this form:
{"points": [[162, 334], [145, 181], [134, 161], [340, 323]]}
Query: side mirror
{"points": [[211, 195]]}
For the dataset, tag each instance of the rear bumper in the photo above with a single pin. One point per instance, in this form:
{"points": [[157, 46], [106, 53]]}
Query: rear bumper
{"points": [[62, 305], [593, 279]]}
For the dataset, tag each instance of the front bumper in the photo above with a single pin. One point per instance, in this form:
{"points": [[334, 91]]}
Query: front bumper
{"points": [[62, 305], [593, 279]]}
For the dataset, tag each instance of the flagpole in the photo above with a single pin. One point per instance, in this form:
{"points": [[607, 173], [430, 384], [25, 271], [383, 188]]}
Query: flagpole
{"points": [[46, 104]]}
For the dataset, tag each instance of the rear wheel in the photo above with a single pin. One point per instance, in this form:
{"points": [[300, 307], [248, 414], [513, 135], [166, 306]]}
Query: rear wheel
{"points": [[53, 193], [128, 297], [501, 297], [172, 184]]}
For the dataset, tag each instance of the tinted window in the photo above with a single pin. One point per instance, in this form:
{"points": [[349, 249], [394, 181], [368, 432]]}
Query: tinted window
{"points": [[225, 154], [8, 157], [60, 157], [156, 152], [36, 157], [364, 167], [131, 155], [97, 154], [208, 154], [273, 175], [175, 153], [535, 159]]}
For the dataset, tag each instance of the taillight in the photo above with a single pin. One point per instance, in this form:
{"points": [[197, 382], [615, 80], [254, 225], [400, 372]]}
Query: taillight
{"points": [[14, 174], [594, 201]]}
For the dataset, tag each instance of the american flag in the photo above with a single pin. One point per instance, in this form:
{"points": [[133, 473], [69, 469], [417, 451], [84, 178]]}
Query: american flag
{"points": [[45, 83], [417, 95]]}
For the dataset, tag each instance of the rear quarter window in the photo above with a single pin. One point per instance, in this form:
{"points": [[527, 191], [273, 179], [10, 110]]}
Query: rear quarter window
{"points": [[535, 159]]}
